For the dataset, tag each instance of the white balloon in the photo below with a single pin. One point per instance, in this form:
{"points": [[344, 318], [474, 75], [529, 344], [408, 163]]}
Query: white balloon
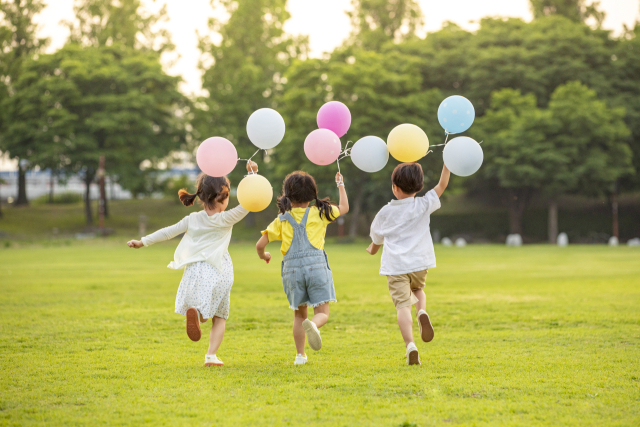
{"points": [[370, 154], [265, 128], [463, 156]]}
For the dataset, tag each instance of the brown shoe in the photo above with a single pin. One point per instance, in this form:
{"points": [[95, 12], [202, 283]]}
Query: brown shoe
{"points": [[193, 324], [426, 329], [412, 355]]}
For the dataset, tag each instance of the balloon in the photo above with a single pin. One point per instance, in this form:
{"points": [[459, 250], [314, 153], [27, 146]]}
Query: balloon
{"points": [[322, 147], [408, 143], [456, 114], [255, 193], [265, 128], [463, 156], [370, 154], [334, 116], [216, 156]]}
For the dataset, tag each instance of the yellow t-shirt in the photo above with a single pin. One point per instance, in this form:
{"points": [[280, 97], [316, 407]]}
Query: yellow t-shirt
{"points": [[316, 228]]}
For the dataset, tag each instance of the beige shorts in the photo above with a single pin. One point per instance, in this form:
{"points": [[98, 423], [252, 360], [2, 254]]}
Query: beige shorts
{"points": [[401, 287]]}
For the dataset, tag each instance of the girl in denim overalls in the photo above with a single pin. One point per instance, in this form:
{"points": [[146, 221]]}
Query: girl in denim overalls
{"points": [[306, 277]]}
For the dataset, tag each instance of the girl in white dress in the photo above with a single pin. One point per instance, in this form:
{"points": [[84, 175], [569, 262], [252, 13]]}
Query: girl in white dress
{"points": [[203, 251]]}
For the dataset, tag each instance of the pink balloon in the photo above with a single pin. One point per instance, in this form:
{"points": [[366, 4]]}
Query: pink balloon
{"points": [[322, 147], [334, 116], [217, 156]]}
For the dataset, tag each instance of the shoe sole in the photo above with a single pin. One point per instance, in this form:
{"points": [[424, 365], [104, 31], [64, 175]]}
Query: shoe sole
{"points": [[213, 364], [315, 341], [426, 329], [193, 325], [413, 358]]}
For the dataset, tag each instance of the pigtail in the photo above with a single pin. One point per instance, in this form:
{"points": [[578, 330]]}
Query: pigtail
{"points": [[325, 208], [186, 198], [284, 204], [222, 194]]}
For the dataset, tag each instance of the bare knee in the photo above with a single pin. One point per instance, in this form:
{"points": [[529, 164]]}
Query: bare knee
{"points": [[301, 312]]}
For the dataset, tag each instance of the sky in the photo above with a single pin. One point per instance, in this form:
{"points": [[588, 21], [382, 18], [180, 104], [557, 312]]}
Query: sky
{"points": [[324, 21]]}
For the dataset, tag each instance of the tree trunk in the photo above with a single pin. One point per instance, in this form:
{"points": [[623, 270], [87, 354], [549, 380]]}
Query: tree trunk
{"points": [[356, 208], [553, 221], [517, 202], [22, 186], [103, 195], [614, 211], [51, 184], [88, 179]]}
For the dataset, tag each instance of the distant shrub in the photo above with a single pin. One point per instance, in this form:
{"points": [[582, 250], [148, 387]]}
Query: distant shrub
{"points": [[66, 198]]}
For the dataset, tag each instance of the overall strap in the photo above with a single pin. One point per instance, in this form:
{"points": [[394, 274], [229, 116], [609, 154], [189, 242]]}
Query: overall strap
{"points": [[304, 218], [289, 218]]}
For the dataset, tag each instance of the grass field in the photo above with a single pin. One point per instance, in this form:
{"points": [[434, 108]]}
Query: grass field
{"points": [[535, 335]]}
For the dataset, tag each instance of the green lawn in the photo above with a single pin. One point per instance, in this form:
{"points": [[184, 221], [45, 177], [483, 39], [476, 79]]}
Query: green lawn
{"points": [[535, 335]]}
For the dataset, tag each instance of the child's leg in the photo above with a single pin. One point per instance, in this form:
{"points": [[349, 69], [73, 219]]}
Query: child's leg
{"points": [[422, 300], [298, 331], [321, 315], [405, 322], [217, 333]]}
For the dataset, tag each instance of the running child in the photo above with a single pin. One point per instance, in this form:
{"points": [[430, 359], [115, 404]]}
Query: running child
{"points": [[402, 226], [203, 253], [306, 277]]}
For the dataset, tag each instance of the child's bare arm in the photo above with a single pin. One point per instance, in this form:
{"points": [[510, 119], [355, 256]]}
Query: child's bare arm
{"points": [[262, 243], [373, 248], [444, 181], [343, 204]]}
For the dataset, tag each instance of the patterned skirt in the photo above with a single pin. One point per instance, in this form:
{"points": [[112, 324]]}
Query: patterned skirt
{"points": [[206, 289]]}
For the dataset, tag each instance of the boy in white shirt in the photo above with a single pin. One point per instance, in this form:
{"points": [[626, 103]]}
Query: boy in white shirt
{"points": [[402, 226]]}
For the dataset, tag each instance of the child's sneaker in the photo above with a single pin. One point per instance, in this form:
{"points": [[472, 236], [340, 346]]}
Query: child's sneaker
{"points": [[426, 329], [300, 360], [212, 360], [412, 354], [193, 324], [313, 334]]}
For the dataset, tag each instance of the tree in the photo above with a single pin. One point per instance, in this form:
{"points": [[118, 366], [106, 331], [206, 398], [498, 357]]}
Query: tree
{"points": [[376, 22], [18, 43], [84, 102], [244, 70], [576, 10], [381, 91]]}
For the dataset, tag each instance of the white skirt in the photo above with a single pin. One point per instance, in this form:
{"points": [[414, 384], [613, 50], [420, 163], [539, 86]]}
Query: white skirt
{"points": [[206, 289]]}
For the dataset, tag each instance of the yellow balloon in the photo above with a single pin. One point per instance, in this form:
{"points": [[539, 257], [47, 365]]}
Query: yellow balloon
{"points": [[407, 143], [255, 193]]}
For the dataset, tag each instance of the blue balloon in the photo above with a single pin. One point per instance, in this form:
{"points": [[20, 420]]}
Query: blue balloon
{"points": [[456, 114]]}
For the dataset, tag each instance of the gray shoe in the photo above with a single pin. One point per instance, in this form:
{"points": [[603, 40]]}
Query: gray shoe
{"points": [[412, 354], [313, 334]]}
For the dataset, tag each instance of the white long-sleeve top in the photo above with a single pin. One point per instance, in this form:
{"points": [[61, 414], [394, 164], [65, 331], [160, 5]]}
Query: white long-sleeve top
{"points": [[206, 237]]}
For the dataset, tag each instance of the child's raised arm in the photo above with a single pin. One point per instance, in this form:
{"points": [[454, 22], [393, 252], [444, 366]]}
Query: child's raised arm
{"points": [[444, 181], [262, 243], [343, 204], [161, 235]]}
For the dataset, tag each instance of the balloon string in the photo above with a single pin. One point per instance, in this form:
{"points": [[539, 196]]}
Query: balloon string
{"points": [[344, 153], [249, 159], [445, 140]]}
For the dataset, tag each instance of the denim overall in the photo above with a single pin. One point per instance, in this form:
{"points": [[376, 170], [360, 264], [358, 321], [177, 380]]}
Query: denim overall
{"points": [[306, 276]]}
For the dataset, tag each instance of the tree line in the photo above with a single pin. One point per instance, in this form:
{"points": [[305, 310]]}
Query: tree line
{"points": [[557, 99]]}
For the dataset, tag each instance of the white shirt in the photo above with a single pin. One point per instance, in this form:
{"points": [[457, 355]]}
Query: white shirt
{"points": [[206, 237], [402, 226]]}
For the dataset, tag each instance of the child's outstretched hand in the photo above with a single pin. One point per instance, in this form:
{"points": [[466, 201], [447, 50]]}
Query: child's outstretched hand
{"points": [[266, 256], [136, 244], [252, 166], [373, 248]]}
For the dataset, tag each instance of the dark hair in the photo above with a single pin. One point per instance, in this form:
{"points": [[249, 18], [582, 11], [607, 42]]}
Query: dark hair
{"points": [[408, 177], [210, 190], [300, 187]]}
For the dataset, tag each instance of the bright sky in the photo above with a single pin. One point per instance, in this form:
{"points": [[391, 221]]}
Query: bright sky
{"points": [[324, 21]]}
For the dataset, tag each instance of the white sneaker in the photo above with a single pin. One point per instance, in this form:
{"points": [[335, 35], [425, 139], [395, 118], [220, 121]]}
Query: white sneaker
{"points": [[212, 360], [412, 354], [426, 329], [313, 334], [300, 360]]}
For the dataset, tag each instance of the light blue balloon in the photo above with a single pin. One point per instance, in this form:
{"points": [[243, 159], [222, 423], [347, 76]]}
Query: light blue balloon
{"points": [[370, 154], [265, 128], [456, 114]]}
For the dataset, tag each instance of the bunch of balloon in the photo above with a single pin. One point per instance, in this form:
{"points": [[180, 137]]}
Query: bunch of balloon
{"points": [[265, 129], [462, 155], [322, 146]]}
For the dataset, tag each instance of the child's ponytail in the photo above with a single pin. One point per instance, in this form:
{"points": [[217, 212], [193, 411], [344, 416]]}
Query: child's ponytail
{"points": [[284, 203], [325, 208], [186, 198]]}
